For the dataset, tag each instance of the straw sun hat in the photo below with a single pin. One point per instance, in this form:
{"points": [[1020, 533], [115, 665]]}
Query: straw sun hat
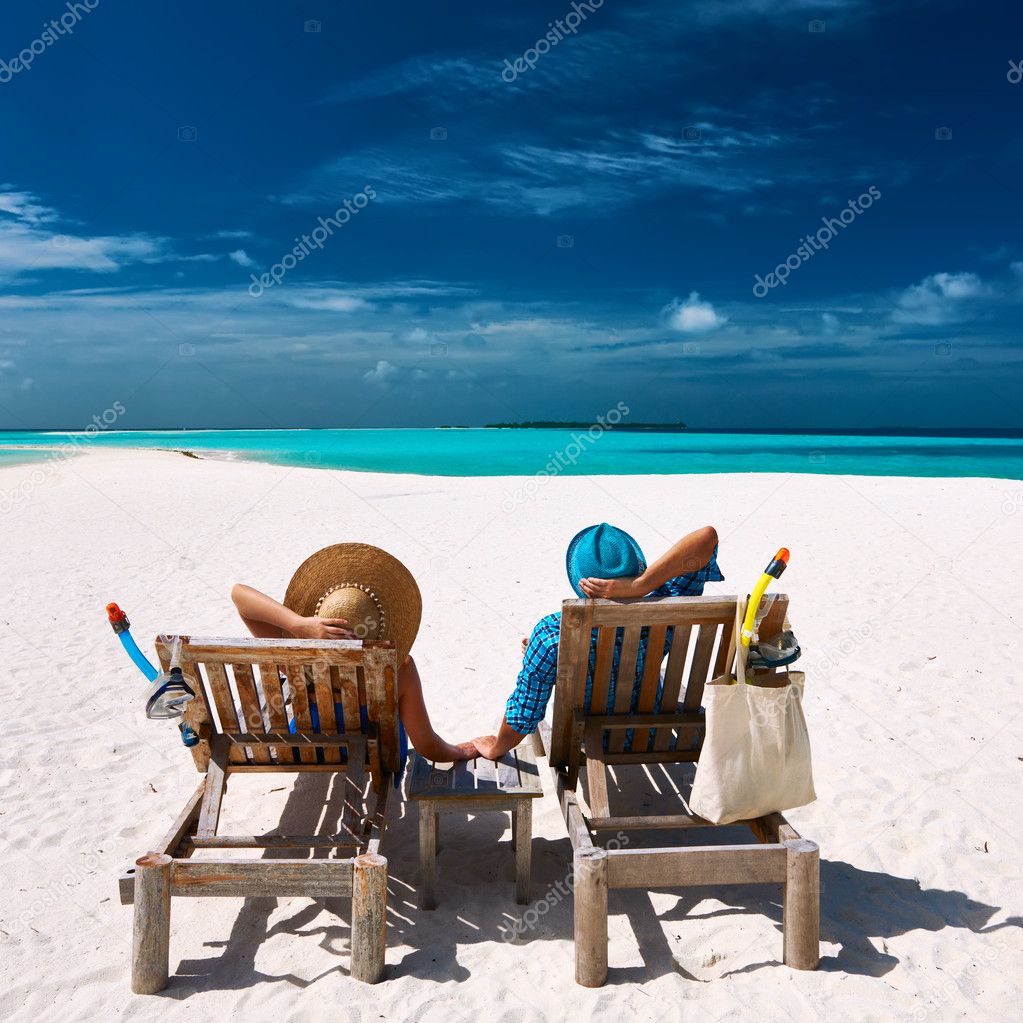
{"points": [[372, 590]]}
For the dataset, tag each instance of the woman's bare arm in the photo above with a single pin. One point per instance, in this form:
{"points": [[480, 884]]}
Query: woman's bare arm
{"points": [[266, 618]]}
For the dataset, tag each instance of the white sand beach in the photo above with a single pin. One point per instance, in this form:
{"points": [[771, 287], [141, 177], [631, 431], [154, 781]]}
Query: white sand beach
{"points": [[906, 600]]}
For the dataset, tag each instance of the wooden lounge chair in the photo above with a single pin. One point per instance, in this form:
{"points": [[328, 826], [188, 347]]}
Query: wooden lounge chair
{"points": [[241, 715], [637, 732]]}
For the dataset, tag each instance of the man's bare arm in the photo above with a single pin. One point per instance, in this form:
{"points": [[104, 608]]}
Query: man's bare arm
{"points": [[495, 746], [691, 553]]}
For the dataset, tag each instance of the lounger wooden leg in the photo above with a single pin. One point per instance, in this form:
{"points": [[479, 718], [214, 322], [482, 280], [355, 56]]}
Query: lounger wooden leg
{"points": [[590, 896], [801, 918], [369, 917], [522, 816], [427, 854], [150, 949]]}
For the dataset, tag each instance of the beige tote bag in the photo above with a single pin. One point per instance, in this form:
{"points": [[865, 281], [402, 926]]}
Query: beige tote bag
{"points": [[756, 752]]}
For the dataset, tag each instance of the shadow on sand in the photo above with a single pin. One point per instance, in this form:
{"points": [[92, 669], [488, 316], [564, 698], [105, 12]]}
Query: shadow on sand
{"points": [[476, 892]]}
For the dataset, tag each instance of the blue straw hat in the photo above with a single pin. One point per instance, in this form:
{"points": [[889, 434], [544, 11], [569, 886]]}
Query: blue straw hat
{"points": [[602, 552]]}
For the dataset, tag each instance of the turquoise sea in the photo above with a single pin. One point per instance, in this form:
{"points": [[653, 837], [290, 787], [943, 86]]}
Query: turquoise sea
{"points": [[497, 452]]}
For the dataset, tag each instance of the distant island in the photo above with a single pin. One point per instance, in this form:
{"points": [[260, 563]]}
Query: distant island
{"points": [[544, 424]]}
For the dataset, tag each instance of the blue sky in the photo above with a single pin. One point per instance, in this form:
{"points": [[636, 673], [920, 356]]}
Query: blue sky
{"points": [[531, 231]]}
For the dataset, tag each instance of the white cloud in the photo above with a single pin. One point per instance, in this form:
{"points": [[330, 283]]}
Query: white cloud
{"points": [[326, 301], [829, 324], [30, 241], [241, 257], [693, 316], [230, 233], [383, 375], [25, 206], [940, 298]]}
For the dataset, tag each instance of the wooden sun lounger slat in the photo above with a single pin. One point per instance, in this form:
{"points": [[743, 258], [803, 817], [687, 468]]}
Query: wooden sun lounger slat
{"points": [[668, 756], [248, 696], [325, 708], [216, 675], [664, 610], [273, 692], [216, 781], [720, 667], [347, 683], [300, 707], [304, 739], [650, 682], [673, 681], [602, 663], [700, 668], [625, 682], [618, 721]]}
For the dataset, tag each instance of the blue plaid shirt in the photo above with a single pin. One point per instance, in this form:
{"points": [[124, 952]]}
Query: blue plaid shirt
{"points": [[528, 703]]}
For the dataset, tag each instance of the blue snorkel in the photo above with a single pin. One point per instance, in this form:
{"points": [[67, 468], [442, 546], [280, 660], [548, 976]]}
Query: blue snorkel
{"points": [[122, 629], [168, 693]]}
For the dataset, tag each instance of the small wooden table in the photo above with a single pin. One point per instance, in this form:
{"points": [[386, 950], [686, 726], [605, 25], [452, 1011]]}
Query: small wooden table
{"points": [[475, 786]]}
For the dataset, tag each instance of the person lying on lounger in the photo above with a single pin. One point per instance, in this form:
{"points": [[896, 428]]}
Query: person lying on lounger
{"points": [[355, 591], [602, 561]]}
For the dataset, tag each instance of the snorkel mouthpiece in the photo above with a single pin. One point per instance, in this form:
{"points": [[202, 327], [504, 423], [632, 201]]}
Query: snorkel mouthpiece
{"points": [[118, 619], [778, 563]]}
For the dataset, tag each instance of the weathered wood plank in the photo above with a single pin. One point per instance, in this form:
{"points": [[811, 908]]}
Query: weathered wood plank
{"points": [[665, 821], [663, 610], [270, 678], [276, 879], [300, 708], [700, 670], [596, 773], [245, 683], [380, 674], [324, 694], [614, 721], [603, 660], [344, 839], [213, 794], [573, 664], [697, 865], [284, 737], [346, 684], [677, 756], [220, 689], [625, 682], [664, 737]]}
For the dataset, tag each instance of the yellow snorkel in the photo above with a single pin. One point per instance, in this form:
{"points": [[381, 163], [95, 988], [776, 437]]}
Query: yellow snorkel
{"points": [[773, 571]]}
